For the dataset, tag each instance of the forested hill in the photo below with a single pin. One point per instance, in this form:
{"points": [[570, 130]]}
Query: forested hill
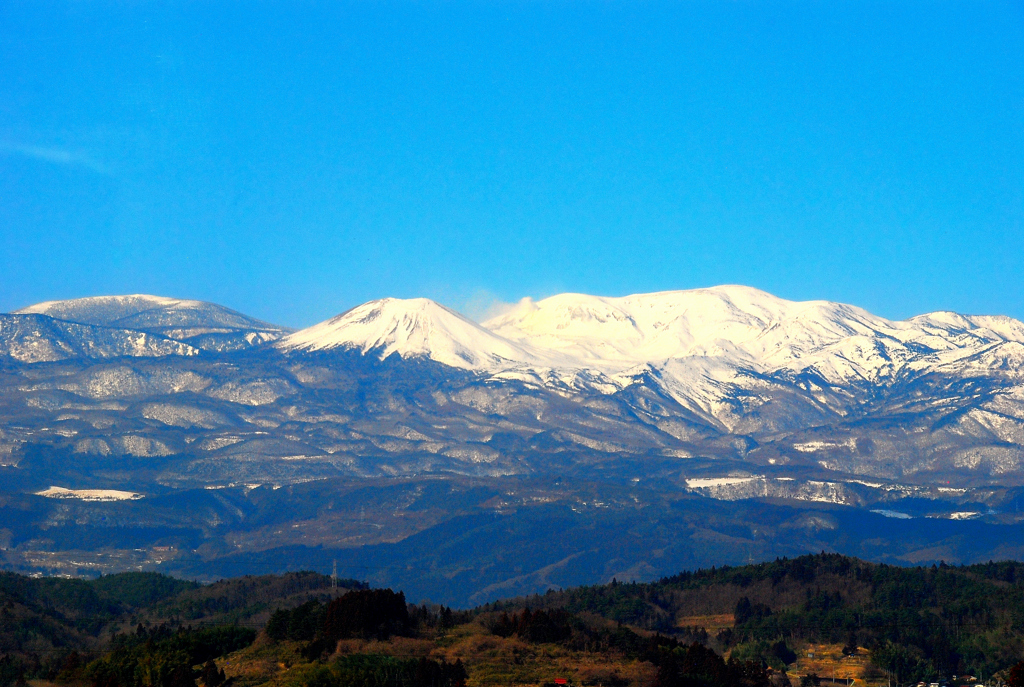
{"points": [[44, 620], [920, 622], [764, 625]]}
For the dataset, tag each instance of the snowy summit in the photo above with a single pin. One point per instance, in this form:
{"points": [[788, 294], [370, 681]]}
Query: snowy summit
{"points": [[416, 327], [680, 333]]}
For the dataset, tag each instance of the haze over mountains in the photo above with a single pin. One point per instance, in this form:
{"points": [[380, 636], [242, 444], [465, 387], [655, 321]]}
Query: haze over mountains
{"points": [[726, 393]]}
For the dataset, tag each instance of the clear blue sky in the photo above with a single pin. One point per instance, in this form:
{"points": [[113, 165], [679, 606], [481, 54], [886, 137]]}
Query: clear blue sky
{"points": [[294, 159]]}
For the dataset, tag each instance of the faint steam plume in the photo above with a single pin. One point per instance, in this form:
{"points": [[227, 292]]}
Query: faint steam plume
{"points": [[484, 305]]}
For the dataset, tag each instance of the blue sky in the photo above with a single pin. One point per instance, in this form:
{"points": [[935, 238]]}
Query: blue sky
{"points": [[292, 159]]}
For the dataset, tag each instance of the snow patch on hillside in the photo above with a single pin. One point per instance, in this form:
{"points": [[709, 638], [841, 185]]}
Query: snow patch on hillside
{"points": [[704, 482], [89, 494]]}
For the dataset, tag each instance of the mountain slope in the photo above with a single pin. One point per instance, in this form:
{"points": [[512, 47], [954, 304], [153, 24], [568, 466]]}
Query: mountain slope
{"points": [[203, 325], [822, 390], [348, 433], [37, 338]]}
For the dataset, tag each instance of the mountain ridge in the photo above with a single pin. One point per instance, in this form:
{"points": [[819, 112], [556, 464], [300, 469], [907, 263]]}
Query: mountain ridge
{"points": [[725, 373], [617, 333], [697, 340], [198, 325], [411, 328], [778, 428]]}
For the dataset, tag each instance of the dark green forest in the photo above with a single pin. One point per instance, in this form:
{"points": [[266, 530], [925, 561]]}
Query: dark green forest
{"points": [[145, 629], [921, 623], [98, 631]]}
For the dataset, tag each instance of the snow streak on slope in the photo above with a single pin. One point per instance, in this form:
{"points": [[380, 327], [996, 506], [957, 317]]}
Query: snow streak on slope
{"points": [[416, 327]]}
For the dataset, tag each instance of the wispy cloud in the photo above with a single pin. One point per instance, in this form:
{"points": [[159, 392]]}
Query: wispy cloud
{"points": [[54, 155]]}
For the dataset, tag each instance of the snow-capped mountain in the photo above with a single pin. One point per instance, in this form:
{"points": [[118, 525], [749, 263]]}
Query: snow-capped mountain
{"points": [[728, 371], [413, 328], [140, 311], [691, 338], [747, 328], [200, 324], [177, 410]]}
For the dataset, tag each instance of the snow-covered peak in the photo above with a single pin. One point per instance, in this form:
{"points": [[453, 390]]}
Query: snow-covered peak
{"points": [[102, 310], [953, 325], [695, 342], [732, 321], [416, 327], [744, 327], [145, 312]]}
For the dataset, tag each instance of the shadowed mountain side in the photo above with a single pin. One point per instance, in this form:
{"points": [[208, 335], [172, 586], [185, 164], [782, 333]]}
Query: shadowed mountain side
{"points": [[480, 557]]}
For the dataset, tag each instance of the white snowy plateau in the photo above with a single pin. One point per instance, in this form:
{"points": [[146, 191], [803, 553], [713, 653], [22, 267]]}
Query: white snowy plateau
{"points": [[695, 344]]}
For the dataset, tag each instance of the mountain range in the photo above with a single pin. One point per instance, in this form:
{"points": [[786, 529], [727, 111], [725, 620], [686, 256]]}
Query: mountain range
{"points": [[123, 409], [734, 360]]}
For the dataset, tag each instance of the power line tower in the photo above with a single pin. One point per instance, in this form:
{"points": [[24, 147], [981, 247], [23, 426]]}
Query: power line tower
{"points": [[334, 575]]}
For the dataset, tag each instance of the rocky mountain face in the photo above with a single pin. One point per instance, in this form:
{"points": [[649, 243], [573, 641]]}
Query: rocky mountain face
{"points": [[148, 419]]}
